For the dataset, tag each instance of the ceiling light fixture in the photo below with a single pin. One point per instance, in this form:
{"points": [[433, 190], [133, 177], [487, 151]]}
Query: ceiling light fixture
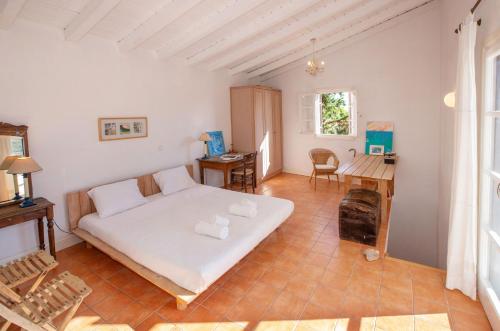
{"points": [[313, 66]]}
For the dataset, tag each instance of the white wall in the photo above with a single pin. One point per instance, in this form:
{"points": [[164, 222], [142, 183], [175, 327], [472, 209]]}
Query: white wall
{"points": [[452, 13], [59, 89], [396, 73]]}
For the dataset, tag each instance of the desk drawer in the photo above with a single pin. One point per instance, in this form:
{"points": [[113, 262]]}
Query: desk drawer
{"points": [[7, 221]]}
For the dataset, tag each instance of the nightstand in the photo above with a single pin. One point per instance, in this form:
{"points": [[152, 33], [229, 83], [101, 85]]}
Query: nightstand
{"points": [[43, 208]]}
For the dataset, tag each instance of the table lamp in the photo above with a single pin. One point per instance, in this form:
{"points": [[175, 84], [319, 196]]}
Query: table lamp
{"points": [[205, 137], [24, 165], [7, 162]]}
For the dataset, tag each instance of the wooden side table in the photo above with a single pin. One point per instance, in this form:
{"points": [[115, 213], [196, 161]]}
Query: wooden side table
{"points": [[216, 163], [372, 168], [13, 214]]}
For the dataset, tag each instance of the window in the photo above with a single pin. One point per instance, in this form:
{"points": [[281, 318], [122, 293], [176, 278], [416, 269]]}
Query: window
{"points": [[497, 84], [328, 113], [489, 199]]}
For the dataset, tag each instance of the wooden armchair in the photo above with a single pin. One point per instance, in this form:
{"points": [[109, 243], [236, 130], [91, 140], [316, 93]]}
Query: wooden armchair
{"points": [[247, 173], [42, 303], [319, 158]]}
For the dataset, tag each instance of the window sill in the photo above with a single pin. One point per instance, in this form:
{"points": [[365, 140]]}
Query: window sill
{"points": [[336, 137]]}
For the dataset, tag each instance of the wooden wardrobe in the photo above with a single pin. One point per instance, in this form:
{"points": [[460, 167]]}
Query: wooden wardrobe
{"points": [[256, 126]]}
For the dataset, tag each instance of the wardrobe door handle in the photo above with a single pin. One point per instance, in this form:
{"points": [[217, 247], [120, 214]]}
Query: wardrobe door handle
{"points": [[498, 190]]}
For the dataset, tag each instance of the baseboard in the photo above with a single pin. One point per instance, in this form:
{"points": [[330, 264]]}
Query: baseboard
{"points": [[300, 173], [61, 244], [415, 264], [18, 255], [67, 241], [271, 175], [295, 172]]}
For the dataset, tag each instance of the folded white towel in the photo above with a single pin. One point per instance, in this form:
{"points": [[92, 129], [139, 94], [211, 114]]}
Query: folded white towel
{"points": [[244, 210], [221, 220], [212, 230]]}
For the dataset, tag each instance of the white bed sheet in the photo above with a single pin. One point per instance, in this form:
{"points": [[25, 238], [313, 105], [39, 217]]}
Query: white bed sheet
{"points": [[160, 234]]}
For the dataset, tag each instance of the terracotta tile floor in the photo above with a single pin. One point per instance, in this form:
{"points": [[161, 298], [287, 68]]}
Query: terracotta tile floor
{"points": [[302, 277]]}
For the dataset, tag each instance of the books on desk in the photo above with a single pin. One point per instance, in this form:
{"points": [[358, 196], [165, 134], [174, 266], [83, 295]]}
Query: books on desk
{"points": [[231, 156]]}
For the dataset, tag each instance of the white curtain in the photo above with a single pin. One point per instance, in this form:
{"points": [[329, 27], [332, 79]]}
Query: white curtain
{"points": [[462, 235]]}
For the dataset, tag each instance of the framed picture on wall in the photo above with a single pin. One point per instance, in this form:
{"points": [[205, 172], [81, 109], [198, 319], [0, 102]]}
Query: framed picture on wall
{"points": [[115, 128], [379, 134], [377, 149]]}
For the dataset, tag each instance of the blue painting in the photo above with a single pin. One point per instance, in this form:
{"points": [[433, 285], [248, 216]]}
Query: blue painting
{"points": [[216, 145], [380, 134]]}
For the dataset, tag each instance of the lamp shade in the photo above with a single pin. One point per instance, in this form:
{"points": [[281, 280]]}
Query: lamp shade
{"points": [[449, 100], [24, 165], [7, 162], [205, 137]]}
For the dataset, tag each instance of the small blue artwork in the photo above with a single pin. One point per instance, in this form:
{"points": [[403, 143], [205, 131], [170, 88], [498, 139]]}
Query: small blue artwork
{"points": [[380, 134], [216, 145]]}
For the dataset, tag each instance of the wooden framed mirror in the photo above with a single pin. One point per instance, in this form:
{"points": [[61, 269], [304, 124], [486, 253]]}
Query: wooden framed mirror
{"points": [[13, 142]]}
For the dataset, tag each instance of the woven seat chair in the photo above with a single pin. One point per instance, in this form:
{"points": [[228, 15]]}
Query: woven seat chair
{"points": [[246, 174], [319, 158]]}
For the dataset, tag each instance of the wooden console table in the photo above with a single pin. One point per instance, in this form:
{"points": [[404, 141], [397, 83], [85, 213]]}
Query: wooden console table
{"points": [[371, 168], [216, 163], [13, 214]]}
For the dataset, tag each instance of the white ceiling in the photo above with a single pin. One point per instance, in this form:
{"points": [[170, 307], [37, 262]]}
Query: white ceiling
{"points": [[254, 37]]}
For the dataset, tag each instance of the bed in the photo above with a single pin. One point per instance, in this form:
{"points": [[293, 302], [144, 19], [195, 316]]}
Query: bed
{"points": [[157, 240]]}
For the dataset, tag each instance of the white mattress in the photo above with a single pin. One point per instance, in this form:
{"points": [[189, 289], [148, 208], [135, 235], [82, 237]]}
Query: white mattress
{"points": [[160, 234]]}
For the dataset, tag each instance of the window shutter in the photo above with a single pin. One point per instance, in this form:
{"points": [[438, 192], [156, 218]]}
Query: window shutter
{"points": [[353, 114], [307, 108]]}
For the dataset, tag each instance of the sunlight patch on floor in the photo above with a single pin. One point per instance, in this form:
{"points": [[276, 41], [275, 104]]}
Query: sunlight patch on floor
{"points": [[438, 322], [88, 323], [424, 322], [192, 326], [321, 324], [276, 325]]}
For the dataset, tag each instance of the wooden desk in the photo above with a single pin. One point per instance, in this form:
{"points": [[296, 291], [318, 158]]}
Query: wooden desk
{"points": [[372, 168], [13, 214], [216, 163]]}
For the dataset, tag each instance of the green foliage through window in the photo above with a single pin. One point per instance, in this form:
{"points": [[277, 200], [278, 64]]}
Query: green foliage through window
{"points": [[335, 113]]}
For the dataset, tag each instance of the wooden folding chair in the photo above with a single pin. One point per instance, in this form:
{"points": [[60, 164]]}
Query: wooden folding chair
{"points": [[35, 265], [37, 309]]}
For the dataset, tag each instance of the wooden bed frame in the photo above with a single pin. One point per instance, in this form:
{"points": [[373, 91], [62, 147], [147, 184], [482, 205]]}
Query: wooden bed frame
{"points": [[80, 204]]}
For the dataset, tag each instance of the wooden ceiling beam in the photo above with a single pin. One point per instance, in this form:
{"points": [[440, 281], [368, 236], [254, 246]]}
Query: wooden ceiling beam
{"points": [[205, 24], [399, 7], [332, 25], [264, 18], [182, 24], [325, 52], [93, 12], [284, 31], [154, 24], [10, 12]]}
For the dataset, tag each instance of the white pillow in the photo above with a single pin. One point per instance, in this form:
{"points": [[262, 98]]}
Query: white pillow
{"points": [[173, 180], [114, 198]]}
